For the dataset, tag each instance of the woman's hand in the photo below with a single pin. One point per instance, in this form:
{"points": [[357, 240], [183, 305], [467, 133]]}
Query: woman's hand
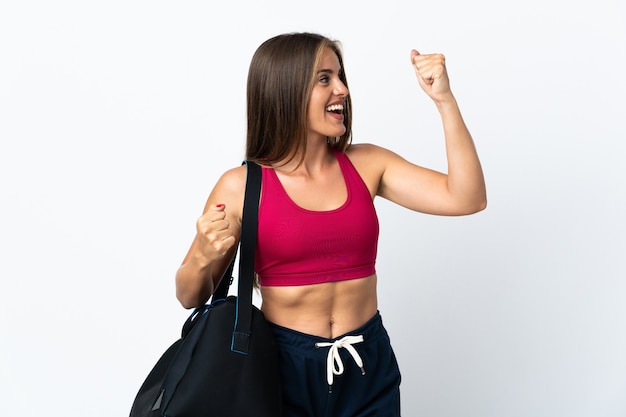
{"points": [[432, 75], [214, 235]]}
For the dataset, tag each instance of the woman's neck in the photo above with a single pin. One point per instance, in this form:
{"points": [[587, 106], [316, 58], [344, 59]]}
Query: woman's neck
{"points": [[317, 156]]}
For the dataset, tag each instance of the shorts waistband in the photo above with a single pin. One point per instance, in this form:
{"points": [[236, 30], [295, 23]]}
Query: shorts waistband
{"points": [[286, 337]]}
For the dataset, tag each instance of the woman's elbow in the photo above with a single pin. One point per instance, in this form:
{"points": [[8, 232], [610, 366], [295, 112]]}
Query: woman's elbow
{"points": [[187, 303], [191, 296], [477, 206], [470, 206], [184, 299], [188, 300], [482, 204]]}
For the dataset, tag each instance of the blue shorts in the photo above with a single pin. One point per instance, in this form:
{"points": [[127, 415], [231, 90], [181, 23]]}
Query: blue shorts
{"points": [[354, 375]]}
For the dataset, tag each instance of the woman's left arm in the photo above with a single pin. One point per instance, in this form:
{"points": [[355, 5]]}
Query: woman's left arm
{"points": [[462, 190]]}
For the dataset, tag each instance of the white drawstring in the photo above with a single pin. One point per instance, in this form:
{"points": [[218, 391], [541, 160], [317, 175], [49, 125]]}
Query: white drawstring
{"points": [[335, 359]]}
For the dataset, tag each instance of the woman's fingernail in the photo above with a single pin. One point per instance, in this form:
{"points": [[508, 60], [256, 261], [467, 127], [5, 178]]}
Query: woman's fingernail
{"points": [[219, 206]]}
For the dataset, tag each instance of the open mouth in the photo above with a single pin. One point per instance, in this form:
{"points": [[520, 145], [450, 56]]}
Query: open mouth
{"points": [[335, 108]]}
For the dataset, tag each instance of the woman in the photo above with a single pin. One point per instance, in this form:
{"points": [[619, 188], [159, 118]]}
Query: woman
{"points": [[318, 228]]}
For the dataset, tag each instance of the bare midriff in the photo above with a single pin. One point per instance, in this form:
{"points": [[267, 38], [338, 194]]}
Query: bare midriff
{"points": [[327, 310]]}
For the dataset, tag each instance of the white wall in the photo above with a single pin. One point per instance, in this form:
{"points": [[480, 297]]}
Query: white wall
{"points": [[117, 117]]}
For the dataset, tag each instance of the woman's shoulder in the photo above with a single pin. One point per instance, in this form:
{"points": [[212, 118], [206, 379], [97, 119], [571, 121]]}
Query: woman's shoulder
{"points": [[230, 187], [229, 190], [369, 160], [362, 148], [370, 155], [233, 178], [366, 150]]}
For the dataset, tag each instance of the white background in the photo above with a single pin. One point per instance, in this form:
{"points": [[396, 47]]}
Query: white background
{"points": [[117, 117]]}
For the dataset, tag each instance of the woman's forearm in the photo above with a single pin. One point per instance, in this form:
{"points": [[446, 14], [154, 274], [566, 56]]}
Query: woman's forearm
{"points": [[465, 175]]}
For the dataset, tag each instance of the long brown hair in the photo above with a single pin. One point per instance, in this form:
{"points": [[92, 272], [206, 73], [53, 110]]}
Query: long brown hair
{"points": [[280, 80]]}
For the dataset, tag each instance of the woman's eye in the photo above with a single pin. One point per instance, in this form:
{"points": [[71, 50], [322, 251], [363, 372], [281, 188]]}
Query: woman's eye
{"points": [[324, 79]]}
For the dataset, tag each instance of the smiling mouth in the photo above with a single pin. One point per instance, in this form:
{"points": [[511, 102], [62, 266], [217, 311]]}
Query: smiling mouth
{"points": [[335, 108]]}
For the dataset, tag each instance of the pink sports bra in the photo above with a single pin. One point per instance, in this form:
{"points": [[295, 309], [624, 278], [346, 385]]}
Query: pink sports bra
{"points": [[296, 246]]}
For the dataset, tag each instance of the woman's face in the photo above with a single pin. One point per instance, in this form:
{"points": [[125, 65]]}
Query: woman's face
{"points": [[325, 113]]}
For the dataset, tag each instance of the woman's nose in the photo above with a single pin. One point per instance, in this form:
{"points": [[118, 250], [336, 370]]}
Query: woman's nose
{"points": [[341, 89]]}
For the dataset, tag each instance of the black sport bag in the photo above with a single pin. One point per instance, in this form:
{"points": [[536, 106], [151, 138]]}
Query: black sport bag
{"points": [[226, 362]]}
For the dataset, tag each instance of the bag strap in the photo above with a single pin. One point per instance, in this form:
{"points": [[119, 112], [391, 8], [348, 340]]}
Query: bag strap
{"points": [[247, 249], [221, 292], [249, 229], [250, 207]]}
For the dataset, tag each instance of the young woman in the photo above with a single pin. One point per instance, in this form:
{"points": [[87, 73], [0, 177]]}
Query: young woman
{"points": [[318, 229]]}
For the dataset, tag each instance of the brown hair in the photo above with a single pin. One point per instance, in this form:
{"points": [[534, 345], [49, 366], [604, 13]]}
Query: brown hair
{"points": [[280, 80]]}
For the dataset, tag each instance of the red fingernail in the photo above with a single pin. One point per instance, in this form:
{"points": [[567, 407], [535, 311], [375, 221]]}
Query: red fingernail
{"points": [[219, 206]]}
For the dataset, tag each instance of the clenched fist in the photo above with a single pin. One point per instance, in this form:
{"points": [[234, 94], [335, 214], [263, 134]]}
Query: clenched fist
{"points": [[432, 75], [215, 236]]}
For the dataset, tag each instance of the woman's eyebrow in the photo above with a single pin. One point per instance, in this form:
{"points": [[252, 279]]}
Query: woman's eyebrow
{"points": [[327, 71]]}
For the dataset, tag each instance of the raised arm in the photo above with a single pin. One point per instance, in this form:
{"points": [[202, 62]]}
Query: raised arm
{"points": [[462, 190], [217, 236]]}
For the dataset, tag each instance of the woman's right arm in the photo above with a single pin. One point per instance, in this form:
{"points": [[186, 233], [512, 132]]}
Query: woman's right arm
{"points": [[215, 243]]}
